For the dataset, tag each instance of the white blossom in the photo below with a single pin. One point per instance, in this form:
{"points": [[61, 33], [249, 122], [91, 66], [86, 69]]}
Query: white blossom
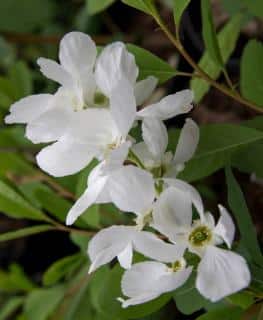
{"points": [[93, 109], [152, 151]]}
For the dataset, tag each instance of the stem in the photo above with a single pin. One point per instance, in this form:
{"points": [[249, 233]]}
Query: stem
{"points": [[56, 186], [201, 72], [229, 82]]}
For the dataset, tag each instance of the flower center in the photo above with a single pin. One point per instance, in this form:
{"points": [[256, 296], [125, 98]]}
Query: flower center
{"points": [[200, 236], [100, 99], [143, 220], [177, 265]]}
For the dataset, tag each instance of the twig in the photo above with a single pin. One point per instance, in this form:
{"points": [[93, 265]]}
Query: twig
{"points": [[235, 95]]}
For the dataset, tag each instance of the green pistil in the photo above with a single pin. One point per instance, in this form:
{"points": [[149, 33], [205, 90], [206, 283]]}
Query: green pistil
{"points": [[200, 236], [100, 99], [176, 266]]}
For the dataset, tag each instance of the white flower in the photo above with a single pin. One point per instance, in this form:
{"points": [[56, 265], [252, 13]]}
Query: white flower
{"points": [[93, 110], [220, 272], [168, 107], [146, 281], [152, 152], [99, 182], [120, 241]]}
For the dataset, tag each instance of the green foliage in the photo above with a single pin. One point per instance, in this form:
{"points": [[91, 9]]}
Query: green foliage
{"points": [[13, 205], [188, 299], [151, 65], [41, 303], [108, 290], [96, 6], [15, 280], [10, 307], [218, 144], [227, 39], [242, 299], [146, 6], [247, 230], [228, 313], [179, 7], [209, 33], [62, 268], [16, 15], [24, 232], [252, 72]]}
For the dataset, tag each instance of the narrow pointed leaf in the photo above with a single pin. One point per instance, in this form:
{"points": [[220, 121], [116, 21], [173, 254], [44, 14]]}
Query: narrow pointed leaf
{"points": [[240, 210], [209, 33], [25, 232]]}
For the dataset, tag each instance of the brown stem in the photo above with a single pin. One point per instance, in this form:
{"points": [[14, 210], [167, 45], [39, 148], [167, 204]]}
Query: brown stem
{"points": [[201, 72]]}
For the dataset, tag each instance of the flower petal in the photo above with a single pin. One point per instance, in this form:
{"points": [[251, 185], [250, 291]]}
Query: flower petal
{"points": [[221, 273], [144, 88], [188, 141], [146, 281], [142, 152], [65, 157], [172, 213], [77, 53], [114, 63], [88, 198], [190, 190], [94, 128], [132, 189], [125, 257], [169, 106], [123, 106], [117, 157], [151, 246], [28, 109], [155, 136], [54, 71], [50, 126], [108, 244], [225, 227]]}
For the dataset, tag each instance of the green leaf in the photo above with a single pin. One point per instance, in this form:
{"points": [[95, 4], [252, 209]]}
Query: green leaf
{"points": [[13, 163], [252, 72], [41, 303], [255, 7], [250, 159], [96, 6], [62, 268], [80, 307], [10, 307], [241, 299], [218, 143], [151, 65], [80, 240], [110, 290], [7, 53], [25, 15], [228, 313], [179, 8], [21, 78], [209, 33], [13, 205], [13, 137], [146, 6], [188, 299], [24, 232], [15, 280], [227, 39], [246, 227]]}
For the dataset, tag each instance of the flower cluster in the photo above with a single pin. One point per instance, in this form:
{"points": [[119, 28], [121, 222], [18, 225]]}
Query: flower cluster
{"points": [[90, 116]]}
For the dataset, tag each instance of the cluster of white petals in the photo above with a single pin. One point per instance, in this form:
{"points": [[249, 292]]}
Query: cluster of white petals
{"points": [[90, 117]]}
